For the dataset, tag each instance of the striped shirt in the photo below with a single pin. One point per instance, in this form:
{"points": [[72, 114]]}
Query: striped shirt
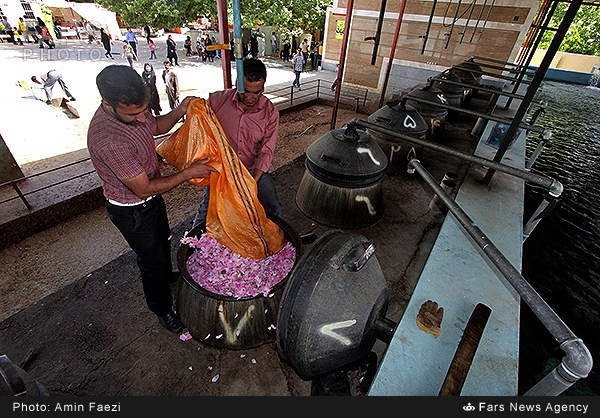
{"points": [[120, 151]]}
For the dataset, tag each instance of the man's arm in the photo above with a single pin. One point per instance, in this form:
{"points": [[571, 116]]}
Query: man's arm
{"points": [[144, 187], [164, 123]]}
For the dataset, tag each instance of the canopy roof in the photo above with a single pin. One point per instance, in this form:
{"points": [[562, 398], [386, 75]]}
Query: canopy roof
{"points": [[76, 12]]}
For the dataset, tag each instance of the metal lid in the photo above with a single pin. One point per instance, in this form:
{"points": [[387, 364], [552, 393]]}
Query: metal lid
{"points": [[447, 88], [346, 156], [469, 72], [399, 117], [431, 94]]}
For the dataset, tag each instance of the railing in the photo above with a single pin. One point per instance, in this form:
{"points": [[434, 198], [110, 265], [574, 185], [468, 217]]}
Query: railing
{"points": [[578, 361], [317, 89], [282, 97]]}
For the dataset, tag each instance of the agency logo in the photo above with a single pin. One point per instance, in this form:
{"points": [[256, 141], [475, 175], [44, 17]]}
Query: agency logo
{"points": [[468, 407]]}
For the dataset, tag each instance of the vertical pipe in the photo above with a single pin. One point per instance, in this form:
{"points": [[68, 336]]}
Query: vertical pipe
{"points": [[224, 35], [428, 26], [238, 47], [535, 83], [487, 17], [336, 101], [478, 20], [393, 51], [531, 31], [378, 33], [467, 22], [453, 22]]}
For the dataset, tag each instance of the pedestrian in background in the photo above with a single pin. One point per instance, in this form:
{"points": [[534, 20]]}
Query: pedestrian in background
{"points": [[48, 80], [106, 43], [298, 62], [128, 53], [132, 41], [171, 84], [152, 48], [171, 50], [149, 78]]}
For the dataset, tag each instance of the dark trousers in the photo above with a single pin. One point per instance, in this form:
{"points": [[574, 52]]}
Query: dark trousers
{"points": [[134, 47], [297, 79], [145, 227], [267, 196]]}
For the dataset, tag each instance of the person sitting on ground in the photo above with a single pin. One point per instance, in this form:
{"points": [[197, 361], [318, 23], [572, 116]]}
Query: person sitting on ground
{"points": [[48, 80]]}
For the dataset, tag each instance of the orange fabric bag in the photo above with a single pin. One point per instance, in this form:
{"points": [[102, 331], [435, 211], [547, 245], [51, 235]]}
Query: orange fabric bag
{"points": [[235, 217]]}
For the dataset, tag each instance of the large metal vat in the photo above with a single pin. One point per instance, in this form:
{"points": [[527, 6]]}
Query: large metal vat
{"points": [[341, 186], [404, 119]]}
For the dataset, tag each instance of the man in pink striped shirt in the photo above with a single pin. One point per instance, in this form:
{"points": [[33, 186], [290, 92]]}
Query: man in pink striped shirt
{"points": [[251, 123], [122, 149]]}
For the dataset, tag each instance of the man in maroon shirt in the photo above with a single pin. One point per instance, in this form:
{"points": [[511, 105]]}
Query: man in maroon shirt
{"points": [[122, 149], [251, 123]]}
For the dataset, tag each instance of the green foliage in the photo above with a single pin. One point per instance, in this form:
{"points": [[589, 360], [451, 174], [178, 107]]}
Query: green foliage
{"points": [[287, 14], [583, 36]]}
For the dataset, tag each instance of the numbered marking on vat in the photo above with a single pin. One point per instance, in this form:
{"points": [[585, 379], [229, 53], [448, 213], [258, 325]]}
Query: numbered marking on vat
{"points": [[362, 150], [409, 122], [394, 149], [365, 199], [231, 335], [330, 330]]}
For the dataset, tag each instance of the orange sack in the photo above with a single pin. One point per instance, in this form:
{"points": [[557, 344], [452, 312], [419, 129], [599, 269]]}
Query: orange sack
{"points": [[235, 217]]}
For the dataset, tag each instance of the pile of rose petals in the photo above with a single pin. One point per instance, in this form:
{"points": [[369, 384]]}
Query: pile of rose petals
{"points": [[219, 270]]}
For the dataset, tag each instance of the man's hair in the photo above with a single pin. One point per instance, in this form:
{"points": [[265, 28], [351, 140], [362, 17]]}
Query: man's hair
{"points": [[121, 84], [254, 70]]}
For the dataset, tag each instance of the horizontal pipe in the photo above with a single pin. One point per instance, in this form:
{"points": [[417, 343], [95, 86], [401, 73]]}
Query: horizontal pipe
{"points": [[554, 186], [577, 362], [474, 86], [487, 116]]}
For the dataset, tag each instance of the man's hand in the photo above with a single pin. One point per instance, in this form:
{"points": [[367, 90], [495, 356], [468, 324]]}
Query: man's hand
{"points": [[200, 168], [185, 102]]}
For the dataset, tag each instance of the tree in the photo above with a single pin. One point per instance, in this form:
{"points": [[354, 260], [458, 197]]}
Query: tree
{"points": [[583, 36], [291, 14]]}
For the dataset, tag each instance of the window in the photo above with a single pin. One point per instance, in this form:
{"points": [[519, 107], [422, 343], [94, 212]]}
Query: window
{"points": [[28, 12]]}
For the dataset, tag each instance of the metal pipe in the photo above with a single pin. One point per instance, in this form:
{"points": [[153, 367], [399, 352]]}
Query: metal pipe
{"points": [[473, 113], [336, 100], [500, 76], [497, 61], [481, 122], [546, 136], [487, 17], [452, 25], [428, 24], [577, 362], [552, 185], [392, 53], [238, 46], [535, 83], [224, 35], [378, 32], [483, 89], [547, 204], [529, 57], [467, 22], [478, 20]]}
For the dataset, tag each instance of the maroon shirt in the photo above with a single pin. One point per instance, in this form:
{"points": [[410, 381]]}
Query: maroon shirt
{"points": [[120, 151], [252, 133]]}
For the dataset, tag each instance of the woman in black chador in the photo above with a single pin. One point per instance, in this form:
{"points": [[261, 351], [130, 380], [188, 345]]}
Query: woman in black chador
{"points": [[149, 78], [105, 38]]}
